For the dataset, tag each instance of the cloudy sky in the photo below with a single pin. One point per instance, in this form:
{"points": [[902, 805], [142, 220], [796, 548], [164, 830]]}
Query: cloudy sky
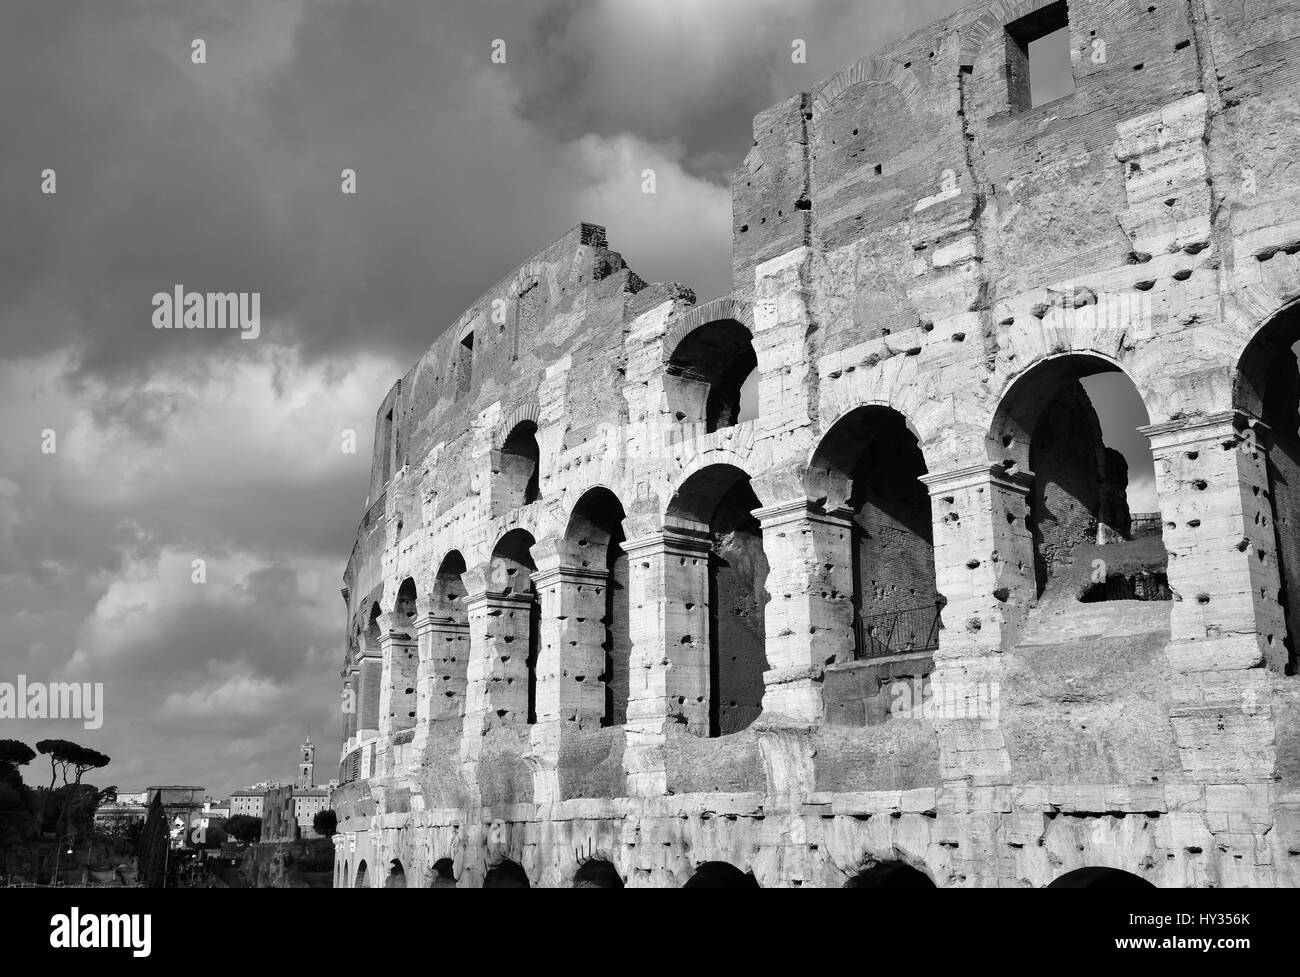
{"points": [[176, 446]]}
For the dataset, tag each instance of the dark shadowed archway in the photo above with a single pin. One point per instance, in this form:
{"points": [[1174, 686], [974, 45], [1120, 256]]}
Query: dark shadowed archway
{"points": [[707, 374], [715, 506], [870, 466], [1267, 388], [360, 881], [890, 875], [1087, 543], [506, 874], [510, 576], [1101, 878], [720, 875], [594, 538]]}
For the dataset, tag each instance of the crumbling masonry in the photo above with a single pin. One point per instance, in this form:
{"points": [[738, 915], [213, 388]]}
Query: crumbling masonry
{"points": [[878, 614]]}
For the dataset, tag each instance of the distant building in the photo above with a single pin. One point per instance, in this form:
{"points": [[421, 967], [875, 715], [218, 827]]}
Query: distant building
{"points": [[250, 802], [129, 804]]}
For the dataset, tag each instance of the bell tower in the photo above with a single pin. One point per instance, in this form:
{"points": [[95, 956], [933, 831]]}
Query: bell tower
{"points": [[307, 763]]}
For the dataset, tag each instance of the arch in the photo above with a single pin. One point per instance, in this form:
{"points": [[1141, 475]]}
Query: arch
{"points": [[506, 874], [890, 875], [404, 609], [597, 873], [443, 873], [360, 881], [372, 625], [344, 877], [870, 465], [706, 372], [396, 875], [1064, 421], [714, 506], [594, 538], [868, 69], [516, 468], [1266, 388], [510, 573], [716, 310], [1097, 877], [720, 875]]}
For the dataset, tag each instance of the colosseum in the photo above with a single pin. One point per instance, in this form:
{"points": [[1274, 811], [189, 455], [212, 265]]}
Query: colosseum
{"points": [[833, 580]]}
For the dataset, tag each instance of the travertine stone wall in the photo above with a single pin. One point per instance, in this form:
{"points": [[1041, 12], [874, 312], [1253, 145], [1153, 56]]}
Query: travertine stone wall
{"points": [[916, 247]]}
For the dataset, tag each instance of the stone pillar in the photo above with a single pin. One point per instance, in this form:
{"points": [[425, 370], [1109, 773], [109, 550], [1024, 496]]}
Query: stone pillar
{"points": [[496, 689], [400, 663], [444, 653], [571, 655], [350, 704], [809, 619], [668, 582], [1212, 482], [983, 556], [984, 569], [370, 671]]}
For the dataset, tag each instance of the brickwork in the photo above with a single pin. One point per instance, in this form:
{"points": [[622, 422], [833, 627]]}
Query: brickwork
{"points": [[918, 253]]}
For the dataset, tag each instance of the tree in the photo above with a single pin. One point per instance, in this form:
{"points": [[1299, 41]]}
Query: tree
{"points": [[244, 828], [14, 754], [67, 756], [325, 823], [154, 841]]}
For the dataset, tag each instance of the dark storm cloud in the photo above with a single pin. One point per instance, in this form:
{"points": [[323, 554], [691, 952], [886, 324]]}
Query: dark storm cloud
{"points": [[183, 445]]}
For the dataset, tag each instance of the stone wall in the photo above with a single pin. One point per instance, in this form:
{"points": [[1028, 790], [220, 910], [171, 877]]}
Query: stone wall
{"points": [[917, 248]]}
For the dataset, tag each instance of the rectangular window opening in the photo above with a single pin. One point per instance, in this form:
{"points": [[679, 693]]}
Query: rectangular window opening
{"points": [[1038, 58], [464, 365]]}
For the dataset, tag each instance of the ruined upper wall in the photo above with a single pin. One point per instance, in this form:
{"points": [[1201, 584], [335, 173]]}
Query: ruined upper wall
{"points": [[924, 189]]}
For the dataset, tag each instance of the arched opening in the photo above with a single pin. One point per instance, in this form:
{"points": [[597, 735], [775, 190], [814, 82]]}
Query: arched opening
{"points": [[1093, 517], [708, 376], [506, 874], [717, 504], [720, 875], [405, 606], [345, 874], [870, 465], [404, 659], [890, 875], [1268, 388], [396, 876], [597, 873], [372, 626], [449, 650], [1100, 878], [360, 881], [443, 874], [515, 471], [511, 570], [595, 537]]}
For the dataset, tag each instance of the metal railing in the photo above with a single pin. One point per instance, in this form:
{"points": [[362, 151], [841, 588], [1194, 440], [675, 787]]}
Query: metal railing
{"points": [[897, 632]]}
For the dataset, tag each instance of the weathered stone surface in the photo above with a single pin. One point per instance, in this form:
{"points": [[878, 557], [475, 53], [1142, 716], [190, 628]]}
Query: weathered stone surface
{"points": [[607, 601]]}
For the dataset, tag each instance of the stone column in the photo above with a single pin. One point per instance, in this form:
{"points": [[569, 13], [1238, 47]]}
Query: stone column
{"points": [[809, 619], [400, 663], [444, 652], [1212, 482], [668, 583], [370, 670], [571, 655], [496, 690], [570, 658], [350, 704], [983, 556], [984, 568]]}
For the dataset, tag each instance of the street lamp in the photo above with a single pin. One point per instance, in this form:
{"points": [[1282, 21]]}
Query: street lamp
{"points": [[58, 852]]}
